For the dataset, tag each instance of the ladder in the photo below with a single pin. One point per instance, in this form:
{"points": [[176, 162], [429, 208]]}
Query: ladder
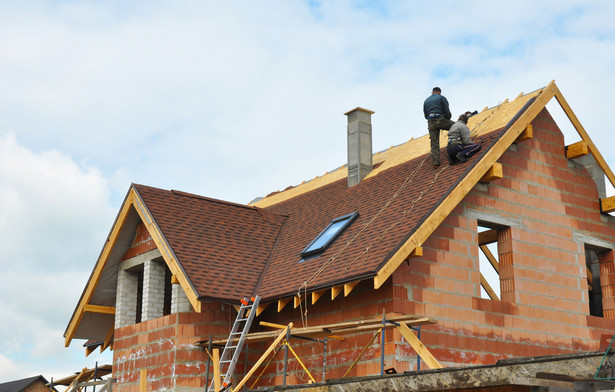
{"points": [[234, 344]]}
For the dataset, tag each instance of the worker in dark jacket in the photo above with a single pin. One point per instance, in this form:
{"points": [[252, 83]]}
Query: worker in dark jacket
{"points": [[460, 147], [438, 117]]}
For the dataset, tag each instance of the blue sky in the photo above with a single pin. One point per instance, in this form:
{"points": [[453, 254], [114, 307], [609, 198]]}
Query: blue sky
{"points": [[234, 100]]}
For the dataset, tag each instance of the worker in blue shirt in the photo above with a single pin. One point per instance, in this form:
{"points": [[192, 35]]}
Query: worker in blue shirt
{"points": [[438, 117]]}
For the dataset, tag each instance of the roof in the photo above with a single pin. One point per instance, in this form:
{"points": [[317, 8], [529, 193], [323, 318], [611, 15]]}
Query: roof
{"points": [[244, 250], [20, 385]]}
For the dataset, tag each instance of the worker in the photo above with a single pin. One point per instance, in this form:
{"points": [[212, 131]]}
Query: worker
{"points": [[460, 147], [438, 115]]}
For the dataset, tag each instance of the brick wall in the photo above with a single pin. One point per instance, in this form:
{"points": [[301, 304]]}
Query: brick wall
{"points": [[165, 347], [550, 206]]}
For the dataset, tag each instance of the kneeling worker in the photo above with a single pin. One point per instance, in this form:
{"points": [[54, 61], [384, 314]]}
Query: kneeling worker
{"points": [[460, 147]]}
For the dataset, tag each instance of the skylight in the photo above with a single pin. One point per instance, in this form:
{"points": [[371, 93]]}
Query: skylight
{"points": [[328, 235]]}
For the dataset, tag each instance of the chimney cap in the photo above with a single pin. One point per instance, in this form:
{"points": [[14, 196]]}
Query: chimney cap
{"points": [[358, 108]]}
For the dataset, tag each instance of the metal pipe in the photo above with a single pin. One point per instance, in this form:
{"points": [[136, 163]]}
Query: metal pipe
{"points": [[324, 361], [286, 355], [382, 345], [208, 364]]}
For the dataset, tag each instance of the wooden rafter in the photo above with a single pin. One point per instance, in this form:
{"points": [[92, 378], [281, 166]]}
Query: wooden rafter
{"points": [[487, 237], [348, 287], [317, 294], [607, 204], [282, 303], [335, 291], [443, 209], [528, 133], [576, 150], [99, 309], [495, 172], [590, 144]]}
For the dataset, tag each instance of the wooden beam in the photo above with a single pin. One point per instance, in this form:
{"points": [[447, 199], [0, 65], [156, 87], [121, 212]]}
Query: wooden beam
{"points": [[576, 150], [99, 309], [335, 291], [590, 144], [275, 343], [495, 172], [487, 237], [317, 294], [330, 330], [590, 279], [418, 346], [490, 292], [451, 201], [143, 381], [282, 303], [174, 280], [348, 287], [217, 376], [272, 325], [494, 262], [528, 133], [296, 301], [520, 95], [607, 204], [417, 252], [108, 339]]}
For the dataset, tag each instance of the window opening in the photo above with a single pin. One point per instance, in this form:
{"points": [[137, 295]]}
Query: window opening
{"points": [[328, 235], [139, 296], [489, 265], [168, 290], [594, 287]]}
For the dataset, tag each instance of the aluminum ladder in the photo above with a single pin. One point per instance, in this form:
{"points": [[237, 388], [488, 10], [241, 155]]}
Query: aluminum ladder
{"points": [[236, 339]]}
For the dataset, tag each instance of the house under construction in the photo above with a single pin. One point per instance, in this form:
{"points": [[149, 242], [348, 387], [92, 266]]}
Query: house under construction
{"points": [[384, 265]]}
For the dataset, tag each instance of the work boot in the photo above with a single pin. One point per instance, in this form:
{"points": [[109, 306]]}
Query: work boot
{"points": [[450, 160], [460, 157]]}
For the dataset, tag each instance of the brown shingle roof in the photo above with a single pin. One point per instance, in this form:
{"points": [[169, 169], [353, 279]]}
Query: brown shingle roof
{"points": [[221, 246]]}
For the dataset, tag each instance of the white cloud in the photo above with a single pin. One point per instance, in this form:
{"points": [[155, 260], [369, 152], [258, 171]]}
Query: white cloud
{"points": [[53, 219], [236, 99]]}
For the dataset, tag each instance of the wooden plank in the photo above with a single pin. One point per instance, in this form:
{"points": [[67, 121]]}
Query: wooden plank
{"points": [[331, 330], [490, 292], [417, 252], [590, 144], [487, 237], [317, 294], [495, 172], [528, 133], [335, 291], [272, 325], [174, 280], [108, 339], [278, 339], [348, 287], [520, 95], [143, 381], [494, 262], [607, 204], [590, 278], [418, 346], [296, 301], [576, 150], [442, 211], [99, 309], [217, 375]]}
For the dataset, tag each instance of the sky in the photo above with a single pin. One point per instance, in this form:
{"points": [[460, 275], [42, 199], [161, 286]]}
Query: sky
{"points": [[234, 100]]}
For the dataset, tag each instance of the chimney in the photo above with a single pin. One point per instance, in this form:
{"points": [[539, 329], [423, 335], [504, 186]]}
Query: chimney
{"points": [[359, 144]]}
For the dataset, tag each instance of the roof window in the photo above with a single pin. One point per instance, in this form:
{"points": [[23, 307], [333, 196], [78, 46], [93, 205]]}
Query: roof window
{"points": [[328, 235]]}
